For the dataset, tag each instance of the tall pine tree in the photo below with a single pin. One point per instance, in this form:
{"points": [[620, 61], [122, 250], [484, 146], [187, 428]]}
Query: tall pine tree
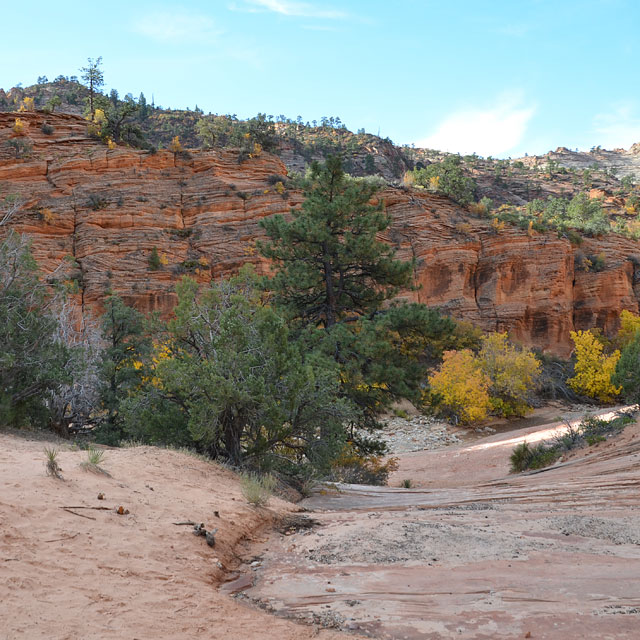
{"points": [[330, 264], [335, 278]]}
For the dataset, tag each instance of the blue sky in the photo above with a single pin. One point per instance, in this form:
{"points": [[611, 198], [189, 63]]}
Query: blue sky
{"points": [[498, 77]]}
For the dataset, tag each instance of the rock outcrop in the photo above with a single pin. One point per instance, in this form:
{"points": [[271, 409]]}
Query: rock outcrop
{"points": [[96, 215]]}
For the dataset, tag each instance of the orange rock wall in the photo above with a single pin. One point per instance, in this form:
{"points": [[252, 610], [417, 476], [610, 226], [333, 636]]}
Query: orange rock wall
{"points": [[108, 209]]}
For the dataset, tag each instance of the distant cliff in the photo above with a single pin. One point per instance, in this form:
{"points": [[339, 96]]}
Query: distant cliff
{"points": [[96, 215]]}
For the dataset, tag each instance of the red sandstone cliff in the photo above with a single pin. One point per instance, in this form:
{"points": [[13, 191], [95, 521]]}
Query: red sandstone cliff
{"points": [[108, 209]]}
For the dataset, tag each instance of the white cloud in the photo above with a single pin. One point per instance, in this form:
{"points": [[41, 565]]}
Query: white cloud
{"points": [[618, 128], [174, 27], [291, 8], [489, 132]]}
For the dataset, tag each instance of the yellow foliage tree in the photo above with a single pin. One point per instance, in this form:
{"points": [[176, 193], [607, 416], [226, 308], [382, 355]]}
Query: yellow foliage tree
{"points": [[462, 386], [593, 369], [175, 145], [512, 372], [629, 325], [256, 151], [19, 126]]}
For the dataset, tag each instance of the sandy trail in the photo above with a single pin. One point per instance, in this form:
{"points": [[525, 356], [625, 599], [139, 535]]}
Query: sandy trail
{"points": [[124, 576], [474, 552]]}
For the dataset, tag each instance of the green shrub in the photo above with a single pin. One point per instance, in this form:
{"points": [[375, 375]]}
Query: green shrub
{"points": [[590, 431], [155, 262], [97, 202], [627, 373], [22, 148], [447, 177], [539, 456]]}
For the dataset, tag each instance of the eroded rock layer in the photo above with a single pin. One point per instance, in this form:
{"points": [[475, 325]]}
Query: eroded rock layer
{"points": [[96, 215]]}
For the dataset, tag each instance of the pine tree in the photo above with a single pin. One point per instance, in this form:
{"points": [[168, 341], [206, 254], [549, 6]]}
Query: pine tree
{"points": [[122, 368], [33, 361], [333, 279], [330, 264], [627, 373], [94, 78]]}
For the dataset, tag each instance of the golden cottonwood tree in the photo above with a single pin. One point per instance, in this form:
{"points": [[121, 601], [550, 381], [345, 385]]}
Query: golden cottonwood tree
{"points": [[462, 386], [593, 369]]}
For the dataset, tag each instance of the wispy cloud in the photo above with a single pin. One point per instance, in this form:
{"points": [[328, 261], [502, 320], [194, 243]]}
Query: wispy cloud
{"points": [[618, 128], [492, 131], [177, 27], [290, 8]]}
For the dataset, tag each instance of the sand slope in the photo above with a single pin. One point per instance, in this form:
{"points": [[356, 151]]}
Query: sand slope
{"points": [[123, 576]]}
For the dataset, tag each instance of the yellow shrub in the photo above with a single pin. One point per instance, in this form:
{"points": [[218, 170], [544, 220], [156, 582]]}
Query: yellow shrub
{"points": [[47, 215], [462, 386], [478, 208], [408, 179], [593, 369], [629, 324], [175, 145], [463, 227], [19, 126], [434, 183], [28, 104], [512, 372], [111, 144], [352, 466]]}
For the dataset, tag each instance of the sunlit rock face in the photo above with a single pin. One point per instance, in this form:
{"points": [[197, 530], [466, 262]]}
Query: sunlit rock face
{"points": [[95, 216]]}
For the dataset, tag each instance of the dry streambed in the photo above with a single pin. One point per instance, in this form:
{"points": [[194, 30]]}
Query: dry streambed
{"points": [[475, 553]]}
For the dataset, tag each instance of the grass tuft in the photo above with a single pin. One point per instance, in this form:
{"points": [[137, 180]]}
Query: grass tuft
{"points": [[93, 461], [51, 463], [257, 489]]}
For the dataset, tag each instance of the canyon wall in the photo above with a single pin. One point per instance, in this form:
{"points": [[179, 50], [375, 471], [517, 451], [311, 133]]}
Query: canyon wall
{"points": [[96, 214]]}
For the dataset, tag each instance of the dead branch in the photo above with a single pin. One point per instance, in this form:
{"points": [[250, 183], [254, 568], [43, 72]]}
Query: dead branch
{"points": [[77, 514]]}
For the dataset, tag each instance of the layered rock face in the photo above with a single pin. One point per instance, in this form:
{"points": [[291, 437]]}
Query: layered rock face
{"points": [[96, 215]]}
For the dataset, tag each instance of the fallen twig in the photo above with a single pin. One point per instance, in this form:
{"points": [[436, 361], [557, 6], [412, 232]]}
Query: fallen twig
{"points": [[77, 514], [188, 522], [96, 508], [65, 538]]}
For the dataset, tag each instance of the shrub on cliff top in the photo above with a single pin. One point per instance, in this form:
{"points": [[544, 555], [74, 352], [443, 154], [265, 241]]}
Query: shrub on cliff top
{"points": [[446, 177]]}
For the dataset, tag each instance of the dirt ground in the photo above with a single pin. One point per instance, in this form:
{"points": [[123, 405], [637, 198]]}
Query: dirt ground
{"points": [[89, 573], [470, 552]]}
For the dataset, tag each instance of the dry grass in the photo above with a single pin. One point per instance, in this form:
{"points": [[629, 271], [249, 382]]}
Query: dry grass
{"points": [[257, 489]]}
